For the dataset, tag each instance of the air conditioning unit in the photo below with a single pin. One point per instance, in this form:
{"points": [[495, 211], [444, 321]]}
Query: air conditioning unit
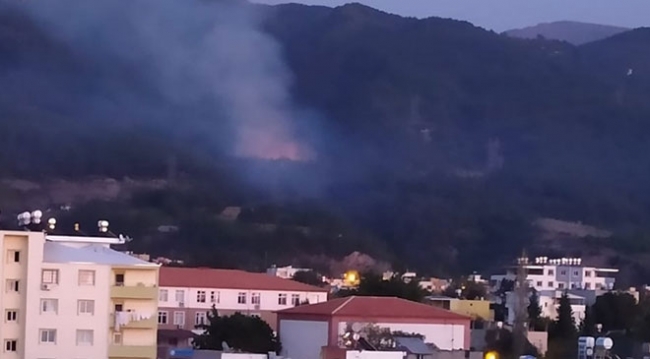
{"points": [[181, 305], [45, 287]]}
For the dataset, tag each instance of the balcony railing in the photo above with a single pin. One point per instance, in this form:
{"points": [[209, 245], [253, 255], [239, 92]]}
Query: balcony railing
{"points": [[119, 290], [133, 320], [132, 351]]}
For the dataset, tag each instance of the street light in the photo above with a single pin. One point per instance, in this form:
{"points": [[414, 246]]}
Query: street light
{"points": [[491, 355]]}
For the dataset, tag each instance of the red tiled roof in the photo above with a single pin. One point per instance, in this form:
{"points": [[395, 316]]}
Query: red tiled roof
{"points": [[229, 279], [368, 307]]}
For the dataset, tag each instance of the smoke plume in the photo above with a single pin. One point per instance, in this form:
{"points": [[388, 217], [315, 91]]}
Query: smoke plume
{"points": [[193, 52]]}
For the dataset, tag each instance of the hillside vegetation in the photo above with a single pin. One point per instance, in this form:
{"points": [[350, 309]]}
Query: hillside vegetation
{"points": [[439, 143]]}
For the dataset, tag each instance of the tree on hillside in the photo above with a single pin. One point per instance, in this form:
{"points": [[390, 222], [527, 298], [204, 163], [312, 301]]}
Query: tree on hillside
{"points": [[308, 277], [375, 285], [246, 333]]}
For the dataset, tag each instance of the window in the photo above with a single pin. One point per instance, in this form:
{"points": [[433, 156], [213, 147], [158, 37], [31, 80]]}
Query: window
{"points": [[588, 273], [86, 307], [47, 336], [587, 285], [11, 315], [49, 306], [12, 285], [551, 284], [119, 279], [551, 272], [295, 299], [87, 277], [255, 298], [215, 297], [117, 338], [50, 276], [180, 296], [200, 296], [85, 337], [282, 299], [574, 286], [201, 318], [575, 272], [539, 283], [11, 345], [179, 318], [13, 256], [560, 285], [162, 317], [162, 295], [241, 298], [562, 272]]}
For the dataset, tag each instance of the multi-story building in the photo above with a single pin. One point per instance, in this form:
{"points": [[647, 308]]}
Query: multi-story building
{"points": [[188, 294], [563, 273], [74, 297]]}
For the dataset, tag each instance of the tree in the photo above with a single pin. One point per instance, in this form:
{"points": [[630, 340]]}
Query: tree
{"points": [[616, 311], [374, 285], [534, 313], [563, 332], [246, 333], [588, 323], [308, 277]]}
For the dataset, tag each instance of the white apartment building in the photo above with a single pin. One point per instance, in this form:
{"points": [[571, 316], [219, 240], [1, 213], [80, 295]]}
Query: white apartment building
{"points": [[188, 294], [73, 297], [543, 273]]}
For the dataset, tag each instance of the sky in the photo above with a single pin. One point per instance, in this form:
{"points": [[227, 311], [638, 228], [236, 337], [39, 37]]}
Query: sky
{"points": [[501, 15]]}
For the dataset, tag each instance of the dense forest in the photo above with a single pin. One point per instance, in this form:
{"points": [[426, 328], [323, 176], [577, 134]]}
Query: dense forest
{"points": [[437, 143]]}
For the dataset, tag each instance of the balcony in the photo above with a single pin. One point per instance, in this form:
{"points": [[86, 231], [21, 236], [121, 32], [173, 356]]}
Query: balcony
{"points": [[134, 292], [132, 351], [132, 320]]}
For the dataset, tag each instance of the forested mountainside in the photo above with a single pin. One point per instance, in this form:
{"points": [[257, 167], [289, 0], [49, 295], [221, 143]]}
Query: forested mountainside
{"points": [[437, 143]]}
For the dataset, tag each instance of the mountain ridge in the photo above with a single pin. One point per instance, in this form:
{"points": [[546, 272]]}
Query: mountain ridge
{"points": [[438, 142], [574, 32]]}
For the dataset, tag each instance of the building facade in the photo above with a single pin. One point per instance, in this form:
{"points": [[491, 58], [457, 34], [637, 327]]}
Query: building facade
{"points": [[543, 273], [75, 297], [313, 331], [187, 294]]}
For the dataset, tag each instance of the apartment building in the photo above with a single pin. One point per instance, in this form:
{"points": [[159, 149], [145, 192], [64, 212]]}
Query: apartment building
{"points": [[543, 273], [74, 297], [188, 294]]}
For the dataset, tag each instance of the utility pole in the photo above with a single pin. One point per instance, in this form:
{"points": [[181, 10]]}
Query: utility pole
{"points": [[520, 325]]}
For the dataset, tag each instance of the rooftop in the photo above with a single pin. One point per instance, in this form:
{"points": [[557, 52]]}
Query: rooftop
{"points": [[60, 253], [229, 279], [368, 307]]}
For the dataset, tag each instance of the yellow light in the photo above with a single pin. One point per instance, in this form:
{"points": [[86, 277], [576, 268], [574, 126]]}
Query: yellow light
{"points": [[352, 277], [491, 355]]}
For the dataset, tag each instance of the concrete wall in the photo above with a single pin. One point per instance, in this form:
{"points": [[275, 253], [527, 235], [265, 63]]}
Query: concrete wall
{"points": [[472, 308], [303, 339]]}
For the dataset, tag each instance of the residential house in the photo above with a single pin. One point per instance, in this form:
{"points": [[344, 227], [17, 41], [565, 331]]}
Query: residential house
{"points": [[309, 331]]}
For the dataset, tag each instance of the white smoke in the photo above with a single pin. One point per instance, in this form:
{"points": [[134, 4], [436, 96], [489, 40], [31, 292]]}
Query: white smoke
{"points": [[196, 51]]}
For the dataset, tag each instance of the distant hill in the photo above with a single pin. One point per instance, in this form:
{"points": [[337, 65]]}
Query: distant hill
{"points": [[573, 32], [438, 142]]}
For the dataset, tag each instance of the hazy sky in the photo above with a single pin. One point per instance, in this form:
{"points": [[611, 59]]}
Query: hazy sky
{"points": [[500, 15]]}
